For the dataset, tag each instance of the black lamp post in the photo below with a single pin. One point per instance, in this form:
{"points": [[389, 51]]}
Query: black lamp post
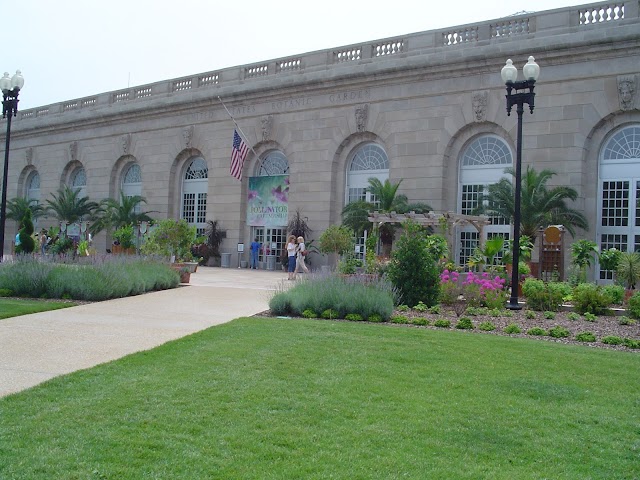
{"points": [[518, 93], [10, 89]]}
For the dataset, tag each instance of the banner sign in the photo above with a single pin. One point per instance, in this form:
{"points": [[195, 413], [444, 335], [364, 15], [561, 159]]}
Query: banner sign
{"points": [[268, 201]]}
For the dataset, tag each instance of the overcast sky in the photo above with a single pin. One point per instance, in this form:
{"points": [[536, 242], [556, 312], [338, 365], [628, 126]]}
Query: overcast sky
{"points": [[70, 49]]}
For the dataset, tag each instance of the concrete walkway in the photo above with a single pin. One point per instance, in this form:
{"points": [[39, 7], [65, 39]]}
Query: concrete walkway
{"points": [[40, 346]]}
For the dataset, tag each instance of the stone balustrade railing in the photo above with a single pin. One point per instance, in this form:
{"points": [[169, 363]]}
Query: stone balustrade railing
{"points": [[519, 26]]}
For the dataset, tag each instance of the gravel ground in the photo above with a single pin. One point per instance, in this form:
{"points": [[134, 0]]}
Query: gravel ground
{"points": [[602, 327]]}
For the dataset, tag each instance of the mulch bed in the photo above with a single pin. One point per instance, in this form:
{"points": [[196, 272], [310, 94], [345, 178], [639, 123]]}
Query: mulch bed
{"points": [[604, 326]]}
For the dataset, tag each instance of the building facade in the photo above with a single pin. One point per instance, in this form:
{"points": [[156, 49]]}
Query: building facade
{"points": [[425, 108]]}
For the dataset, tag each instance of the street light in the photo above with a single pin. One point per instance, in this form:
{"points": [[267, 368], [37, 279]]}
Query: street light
{"points": [[521, 96], [10, 89]]}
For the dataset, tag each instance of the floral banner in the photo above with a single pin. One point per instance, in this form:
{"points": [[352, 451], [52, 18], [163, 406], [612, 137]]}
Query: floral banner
{"points": [[268, 201]]}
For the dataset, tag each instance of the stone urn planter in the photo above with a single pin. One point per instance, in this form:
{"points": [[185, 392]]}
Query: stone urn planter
{"points": [[192, 266]]}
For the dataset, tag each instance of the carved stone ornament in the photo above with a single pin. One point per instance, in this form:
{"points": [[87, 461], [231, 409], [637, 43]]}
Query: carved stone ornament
{"points": [[267, 125], [480, 100], [73, 150], [125, 143], [187, 136], [28, 155], [362, 114], [627, 91]]}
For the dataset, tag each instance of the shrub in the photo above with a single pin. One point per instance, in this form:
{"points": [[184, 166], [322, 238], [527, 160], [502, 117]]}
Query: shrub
{"points": [[442, 323], [512, 328], [530, 314], [330, 314], [402, 308], [170, 237], [375, 318], [420, 321], [588, 297], [633, 305], [626, 321], [308, 313], [549, 315], [536, 331], [558, 332], [615, 292], [585, 337], [279, 304], [399, 319], [27, 243], [631, 343], [464, 323], [590, 317], [421, 307], [612, 340], [5, 292], [573, 316], [353, 317], [541, 296], [475, 311], [487, 326], [412, 270], [436, 310]]}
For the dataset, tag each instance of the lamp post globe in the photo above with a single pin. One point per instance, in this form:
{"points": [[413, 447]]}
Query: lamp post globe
{"points": [[10, 90]]}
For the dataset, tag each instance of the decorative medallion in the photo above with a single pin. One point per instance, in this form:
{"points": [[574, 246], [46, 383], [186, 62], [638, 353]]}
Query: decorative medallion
{"points": [[480, 100], [125, 143], [267, 124], [362, 114], [73, 150], [626, 91], [187, 136]]}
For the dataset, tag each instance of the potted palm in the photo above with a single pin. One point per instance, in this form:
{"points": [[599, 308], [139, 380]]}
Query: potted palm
{"points": [[628, 271], [123, 240]]}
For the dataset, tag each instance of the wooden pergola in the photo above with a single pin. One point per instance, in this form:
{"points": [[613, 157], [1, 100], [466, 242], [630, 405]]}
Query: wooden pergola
{"points": [[432, 219]]}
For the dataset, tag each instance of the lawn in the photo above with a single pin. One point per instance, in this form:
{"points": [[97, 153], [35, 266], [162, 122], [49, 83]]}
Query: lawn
{"points": [[316, 399], [13, 307]]}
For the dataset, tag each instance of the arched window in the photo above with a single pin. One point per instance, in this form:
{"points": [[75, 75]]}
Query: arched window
{"points": [[132, 183], [273, 163], [33, 186], [78, 181], [369, 160], [619, 192], [482, 163], [194, 193]]}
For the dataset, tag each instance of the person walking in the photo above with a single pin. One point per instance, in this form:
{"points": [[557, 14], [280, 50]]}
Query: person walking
{"points": [[255, 249], [301, 252], [43, 241], [291, 257]]}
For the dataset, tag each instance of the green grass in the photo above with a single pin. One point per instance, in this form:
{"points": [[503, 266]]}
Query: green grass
{"points": [[14, 307], [310, 399]]}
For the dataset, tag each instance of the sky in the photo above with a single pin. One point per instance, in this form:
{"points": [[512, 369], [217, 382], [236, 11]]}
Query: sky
{"points": [[69, 49]]}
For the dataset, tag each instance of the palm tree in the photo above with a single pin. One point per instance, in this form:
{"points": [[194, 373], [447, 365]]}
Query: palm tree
{"points": [[119, 214], [18, 206], [68, 206], [539, 205], [355, 214]]}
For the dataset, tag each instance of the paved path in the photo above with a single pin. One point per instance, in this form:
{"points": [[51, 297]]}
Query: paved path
{"points": [[40, 346]]}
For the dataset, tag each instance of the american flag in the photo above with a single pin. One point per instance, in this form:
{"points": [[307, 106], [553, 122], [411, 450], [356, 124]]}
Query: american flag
{"points": [[238, 155]]}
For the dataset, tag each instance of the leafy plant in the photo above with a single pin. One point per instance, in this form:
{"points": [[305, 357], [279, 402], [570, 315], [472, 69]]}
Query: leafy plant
{"points": [[412, 270], [375, 318], [399, 319], [298, 226], [549, 315], [542, 296], [558, 332], [487, 326], [609, 259], [403, 308], [631, 343], [308, 313], [171, 237], [612, 340], [590, 317], [421, 307], [628, 271], [330, 314], [124, 236], [68, 206], [442, 323], [626, 321], [633, 305], [585, 337], [615, 292], [354, 317], [512, 328], [588, 297], [464, 323], [337, 240], [573, 316], [530, 314], [582, 254], [536, 331], [420, 321]]}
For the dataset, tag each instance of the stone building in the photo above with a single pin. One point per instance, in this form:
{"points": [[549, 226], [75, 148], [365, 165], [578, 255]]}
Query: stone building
{"points": [[427, 108]]}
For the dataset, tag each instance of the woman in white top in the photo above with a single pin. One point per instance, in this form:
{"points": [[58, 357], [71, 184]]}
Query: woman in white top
{"points": [[291, 256], [300, 248]]}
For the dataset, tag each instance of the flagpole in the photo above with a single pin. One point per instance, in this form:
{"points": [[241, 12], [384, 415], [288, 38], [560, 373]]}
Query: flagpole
{"points": [[238, 127]]}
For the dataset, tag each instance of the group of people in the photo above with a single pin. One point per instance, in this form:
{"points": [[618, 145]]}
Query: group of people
{"points": [[296, 251]]}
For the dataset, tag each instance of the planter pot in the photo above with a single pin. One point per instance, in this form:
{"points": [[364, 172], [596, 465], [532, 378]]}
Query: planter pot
{"points": [[120, 250], [185, 277], [192, 266]]}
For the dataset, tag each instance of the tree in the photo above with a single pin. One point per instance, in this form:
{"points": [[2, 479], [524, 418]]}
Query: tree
{"points": [[582, 253], [121, 213], [27, 243], [69, 206], [18, 206], [336, 240], [355, 214], [539, 205]]}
